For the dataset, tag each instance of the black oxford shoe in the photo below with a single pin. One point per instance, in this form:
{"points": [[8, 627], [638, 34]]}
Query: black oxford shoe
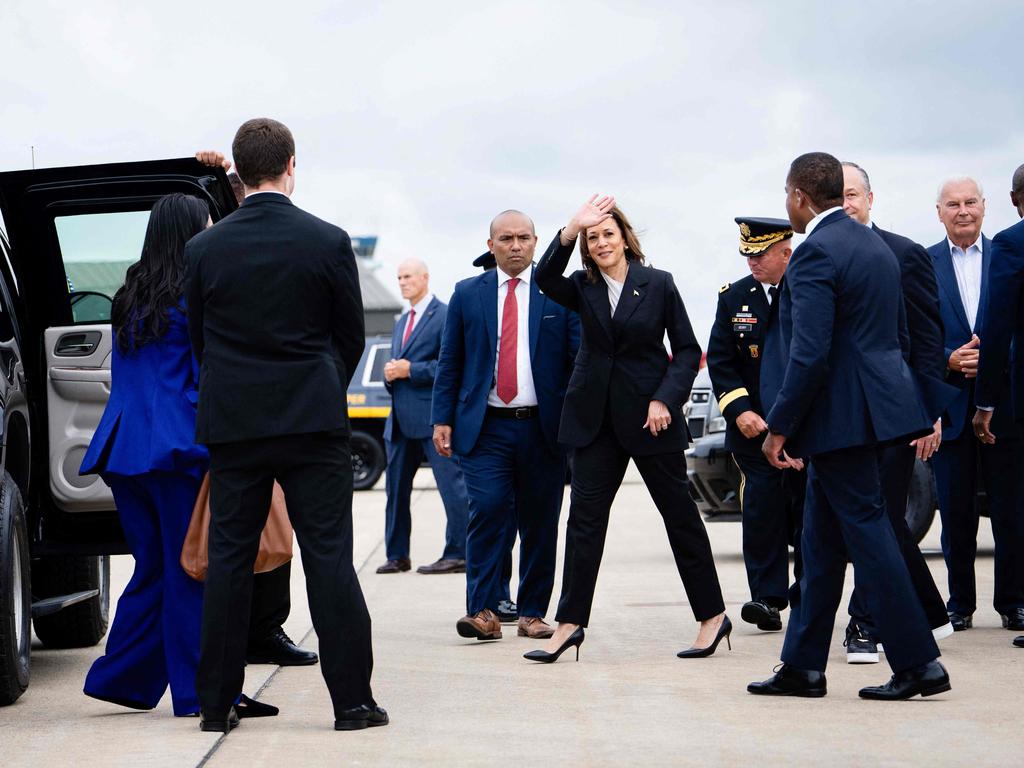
{"points": [[363, 716], [960, 621], [1019, 641], [401, 565], [1013, 620], [279, 649], [789, 681], [219, 724], [926, 680], [766, 617]]}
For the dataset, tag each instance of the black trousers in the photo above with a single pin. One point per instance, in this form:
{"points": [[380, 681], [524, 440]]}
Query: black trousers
{"points": [[897, 469], [315, 472], [773, 507], [598, 470], [271, 603]]}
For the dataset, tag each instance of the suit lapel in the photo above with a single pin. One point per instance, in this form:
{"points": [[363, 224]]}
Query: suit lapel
{"points": [[946, 276], [634, 291], [396, 336], [597, 295], [428, 315], [488, 292], [537, 301]]}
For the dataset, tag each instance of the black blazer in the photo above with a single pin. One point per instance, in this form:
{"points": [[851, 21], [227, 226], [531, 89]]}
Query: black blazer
{"points": [[622, 364], [276, 322]]}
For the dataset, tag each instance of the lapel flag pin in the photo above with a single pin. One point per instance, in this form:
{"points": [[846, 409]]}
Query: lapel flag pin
{"points": [[636, 292]]}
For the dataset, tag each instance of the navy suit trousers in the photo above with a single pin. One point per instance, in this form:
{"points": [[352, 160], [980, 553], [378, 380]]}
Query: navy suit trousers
{"points": [[512, 477], [404, 457], [845, 518]]}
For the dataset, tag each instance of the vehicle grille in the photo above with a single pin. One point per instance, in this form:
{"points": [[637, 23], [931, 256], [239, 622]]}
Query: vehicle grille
{"points": [[696, 427]]}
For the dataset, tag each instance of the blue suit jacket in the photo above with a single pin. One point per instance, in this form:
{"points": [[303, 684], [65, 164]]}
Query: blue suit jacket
{"points": [[465, 369], [957, 332], [842, 318], [1003, 328], [410, 398], [150, 419]]}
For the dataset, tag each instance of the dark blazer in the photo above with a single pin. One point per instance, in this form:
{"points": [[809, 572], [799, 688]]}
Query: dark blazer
{"points": [[1003, 330], [276, 321], [410, 398], [469, 348], [841, 316], [149, 423], [623, 365], [957, 333], [735, 354]]}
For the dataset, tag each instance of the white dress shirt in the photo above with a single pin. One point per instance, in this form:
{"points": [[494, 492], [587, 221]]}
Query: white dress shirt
{"points": [[526, 394], [813, 223], [614, 290], [418, 308], [967, 266], [767, 291]]}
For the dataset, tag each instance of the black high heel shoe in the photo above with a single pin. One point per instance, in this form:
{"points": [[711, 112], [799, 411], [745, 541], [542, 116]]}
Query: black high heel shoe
{"points": [[575, 639], [699, 653]]}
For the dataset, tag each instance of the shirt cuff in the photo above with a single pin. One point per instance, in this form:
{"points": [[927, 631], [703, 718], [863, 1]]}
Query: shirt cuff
{"points": [[988, 408]]}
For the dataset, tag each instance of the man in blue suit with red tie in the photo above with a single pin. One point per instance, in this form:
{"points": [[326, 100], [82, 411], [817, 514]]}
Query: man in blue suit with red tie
{"points": [[847, 392], [1001, 336], [966, 271], [506, 357], [409, 377]]}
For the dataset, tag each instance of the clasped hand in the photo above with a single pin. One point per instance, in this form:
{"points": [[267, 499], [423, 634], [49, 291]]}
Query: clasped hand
{"points": [[658, 417], [396, 369], [965, 359]]}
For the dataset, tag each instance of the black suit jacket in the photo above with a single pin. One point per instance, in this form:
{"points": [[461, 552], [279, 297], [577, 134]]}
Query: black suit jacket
{"points": [[276, 322], [622, 364], [921, 299]]}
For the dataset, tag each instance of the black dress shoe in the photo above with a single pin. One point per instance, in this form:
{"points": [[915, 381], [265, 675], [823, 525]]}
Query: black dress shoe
{"points": [[400, 565], [279, 649], [960, 621], [1013, 620], [363, 716], [444, 565], [221, 724], [1019, 641], [926, 680], [766, 617], [508, 612], [247, 707], [789, 681]]}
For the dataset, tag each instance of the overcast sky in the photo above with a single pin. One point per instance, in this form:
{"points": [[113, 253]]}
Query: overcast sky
{"points": [[418, 122]]}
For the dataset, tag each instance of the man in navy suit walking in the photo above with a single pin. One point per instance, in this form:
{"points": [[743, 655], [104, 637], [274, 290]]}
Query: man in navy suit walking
{"points": [[847, 392], [1004, 326], [506, 357], [963, 266], [409, 377]]}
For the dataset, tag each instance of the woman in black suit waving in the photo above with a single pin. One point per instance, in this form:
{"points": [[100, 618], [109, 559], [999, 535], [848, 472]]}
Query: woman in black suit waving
{"points": [[620, 404]]}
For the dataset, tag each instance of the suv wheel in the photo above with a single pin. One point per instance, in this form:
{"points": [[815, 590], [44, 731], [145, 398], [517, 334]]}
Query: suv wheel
{"points": [[80, 625], [921, 501], [15, 594], [368, 461]]}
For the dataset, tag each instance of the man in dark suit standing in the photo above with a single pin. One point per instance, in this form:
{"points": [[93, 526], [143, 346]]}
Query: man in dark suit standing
{"points": [[1004, 328], [963, 260], [772, 500], [409, 377], [926, 359], [846, 392], [506, 356], [275, 319]]}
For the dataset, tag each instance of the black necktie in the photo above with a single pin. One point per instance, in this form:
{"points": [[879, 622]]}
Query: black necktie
{"points": [[773, 294]]}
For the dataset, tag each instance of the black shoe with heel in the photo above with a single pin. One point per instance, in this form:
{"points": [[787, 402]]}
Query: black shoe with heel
{"points": [[575, 639], [699, 653]]}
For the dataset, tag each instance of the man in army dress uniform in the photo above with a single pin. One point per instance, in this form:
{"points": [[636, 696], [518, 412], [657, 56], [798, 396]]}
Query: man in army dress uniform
{"points": [[771, 499]]}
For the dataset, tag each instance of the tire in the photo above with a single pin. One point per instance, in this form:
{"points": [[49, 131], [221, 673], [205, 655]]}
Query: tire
{"points": [[921, 501], [368, 461], [81, 625], [15, 594]]}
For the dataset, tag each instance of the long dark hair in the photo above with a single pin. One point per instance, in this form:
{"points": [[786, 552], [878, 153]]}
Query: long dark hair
{"points": [[633, 252], [155, 283]]}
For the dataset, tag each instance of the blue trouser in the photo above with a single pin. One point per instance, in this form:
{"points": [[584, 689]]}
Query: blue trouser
{"points": [[845, 518], [404, 457], [512, 475], [154, 639], [958, 464]]}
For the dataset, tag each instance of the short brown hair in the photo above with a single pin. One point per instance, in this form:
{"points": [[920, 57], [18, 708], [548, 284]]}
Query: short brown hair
{"points": [[633, 252], [261, 149]]}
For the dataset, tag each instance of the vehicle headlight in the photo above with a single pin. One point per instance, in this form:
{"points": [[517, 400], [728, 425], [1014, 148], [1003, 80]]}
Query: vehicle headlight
{"points": [[717, 424]]}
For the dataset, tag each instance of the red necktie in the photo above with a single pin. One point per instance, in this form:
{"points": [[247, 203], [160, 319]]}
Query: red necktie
{"points": [[408, 326], [507, 379]]}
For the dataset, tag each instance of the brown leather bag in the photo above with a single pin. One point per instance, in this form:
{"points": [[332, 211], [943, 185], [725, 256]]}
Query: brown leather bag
{"points": [[275, 543]]}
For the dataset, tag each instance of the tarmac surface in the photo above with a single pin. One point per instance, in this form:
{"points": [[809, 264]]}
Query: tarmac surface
{"points": [[629, 700]]}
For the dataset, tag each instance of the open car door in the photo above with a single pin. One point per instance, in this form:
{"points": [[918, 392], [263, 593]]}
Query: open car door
{"points": [[73, 234]]}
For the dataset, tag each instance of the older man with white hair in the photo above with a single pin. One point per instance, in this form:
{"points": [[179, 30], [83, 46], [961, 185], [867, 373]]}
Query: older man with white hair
{"points": [[962, 262]]}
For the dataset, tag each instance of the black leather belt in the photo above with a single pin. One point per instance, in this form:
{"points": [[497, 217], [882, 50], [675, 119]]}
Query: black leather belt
{"points": [[526, 412]]}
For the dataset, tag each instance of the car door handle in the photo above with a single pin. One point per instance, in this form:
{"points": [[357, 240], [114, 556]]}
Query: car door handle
{"points": [[77, 344]]}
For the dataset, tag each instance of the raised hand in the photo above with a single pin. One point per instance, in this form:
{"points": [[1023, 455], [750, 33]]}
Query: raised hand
{"points": [[214, 159], [591, 213]]}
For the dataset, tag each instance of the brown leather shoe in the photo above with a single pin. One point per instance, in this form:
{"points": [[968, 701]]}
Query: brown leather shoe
{"points": [[532, 626], [395, 566], [482, 626], [450, 565]]}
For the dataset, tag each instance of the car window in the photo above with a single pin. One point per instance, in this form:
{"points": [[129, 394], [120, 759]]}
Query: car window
{"points": [[376, 357], [97, 249]]}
